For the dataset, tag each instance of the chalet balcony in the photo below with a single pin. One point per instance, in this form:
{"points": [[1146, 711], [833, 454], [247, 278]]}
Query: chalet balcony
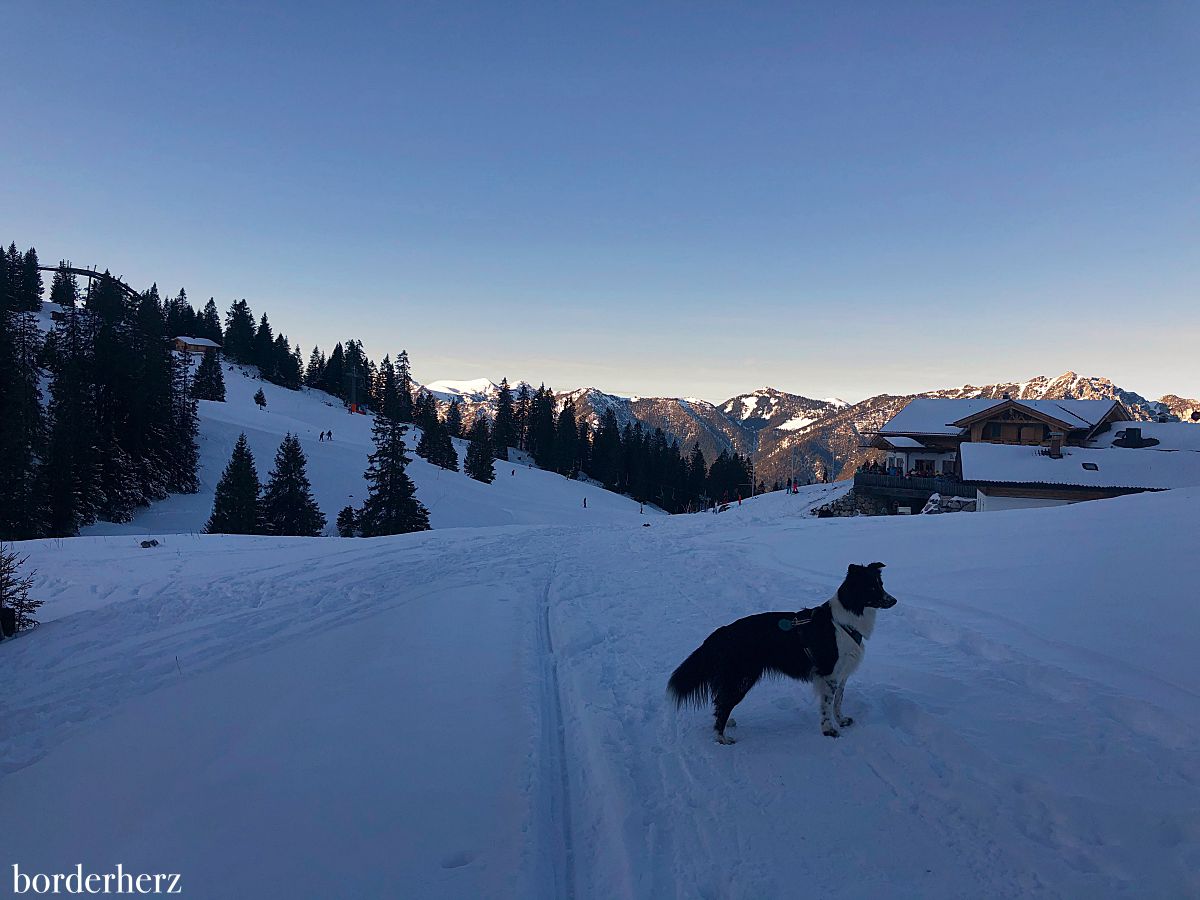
{"points": [[911, 488]]}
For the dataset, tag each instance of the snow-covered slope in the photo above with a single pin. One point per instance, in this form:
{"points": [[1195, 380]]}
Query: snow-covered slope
{"points": [[519, 495], [480, 712]]}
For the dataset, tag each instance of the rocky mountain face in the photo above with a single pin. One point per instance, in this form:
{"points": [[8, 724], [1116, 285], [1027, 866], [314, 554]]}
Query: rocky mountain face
{"points": [[789, 434]]}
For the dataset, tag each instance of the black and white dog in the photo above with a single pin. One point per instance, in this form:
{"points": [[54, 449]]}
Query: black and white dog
{"points": [[822, 645]]}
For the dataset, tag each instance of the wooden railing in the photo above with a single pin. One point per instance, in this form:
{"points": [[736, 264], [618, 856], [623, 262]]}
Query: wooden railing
{"points": [[943, 486]]}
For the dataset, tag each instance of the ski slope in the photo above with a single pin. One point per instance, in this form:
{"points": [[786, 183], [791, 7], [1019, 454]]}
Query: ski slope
{"points": [[480, 712], [520, 495]]}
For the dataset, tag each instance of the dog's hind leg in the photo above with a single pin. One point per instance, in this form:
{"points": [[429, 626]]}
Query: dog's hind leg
{"points": [[843, 721], [827, 688], [723, 703]]}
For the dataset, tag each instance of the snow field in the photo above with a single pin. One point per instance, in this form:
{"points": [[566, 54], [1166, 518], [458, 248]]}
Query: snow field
{"points": [[481, 712]]}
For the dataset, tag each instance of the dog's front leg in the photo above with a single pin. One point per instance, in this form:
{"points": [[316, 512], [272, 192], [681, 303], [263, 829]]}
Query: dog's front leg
{"points": [[828, 689], [843, 721]]}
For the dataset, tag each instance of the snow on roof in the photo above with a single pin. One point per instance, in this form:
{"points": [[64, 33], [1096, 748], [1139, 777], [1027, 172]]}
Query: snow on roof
{"points": [[1148, 468], [197, 341], [905, 443], [1081, 413], [932, 415], [1170, 435]]}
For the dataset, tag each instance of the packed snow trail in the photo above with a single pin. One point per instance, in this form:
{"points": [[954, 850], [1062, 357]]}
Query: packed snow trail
{"points": [[481, 712]]}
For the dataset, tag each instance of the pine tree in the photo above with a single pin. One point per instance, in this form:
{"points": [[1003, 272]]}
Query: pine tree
{"points": [[606, 451], [480, 464], [387, 397], [262, 353], [146, 433], [697, 473], [542, 431], [64, 288], [209, 324], [236, 504], [30, 296], [261, 399], [566, 441], [71, 482], [6, 284], [287, 506], [239, 333], [454, 420], [521, 416], [347, 522], [404, 388], [391, 506], [14, 265], [210, 380], [434, 445], [504, 429], [316, 368], [22, 426], [184, 428], [14, 588], [333, 379]]}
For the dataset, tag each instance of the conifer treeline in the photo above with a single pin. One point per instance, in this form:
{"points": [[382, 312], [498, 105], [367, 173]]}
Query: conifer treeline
{"points": [[635, 460], [119, 430]]}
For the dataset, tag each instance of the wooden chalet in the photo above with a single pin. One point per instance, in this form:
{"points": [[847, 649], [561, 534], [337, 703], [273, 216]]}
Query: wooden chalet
{"points": [[922, 443], [196, 345]]}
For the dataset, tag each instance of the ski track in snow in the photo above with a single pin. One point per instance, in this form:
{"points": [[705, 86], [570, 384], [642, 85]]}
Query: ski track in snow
{"points": [[1012, 739]]}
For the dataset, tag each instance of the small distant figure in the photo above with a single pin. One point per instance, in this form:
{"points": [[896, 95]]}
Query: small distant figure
{"points": [[321, 439], [329, 435], [514, 471], [585, 502]]}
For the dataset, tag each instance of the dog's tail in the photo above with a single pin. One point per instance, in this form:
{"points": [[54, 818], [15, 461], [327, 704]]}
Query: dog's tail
{"points": [[692, 683]]}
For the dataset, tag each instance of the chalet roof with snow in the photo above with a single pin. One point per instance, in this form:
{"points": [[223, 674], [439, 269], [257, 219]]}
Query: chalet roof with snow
{"points": [[197, 342], [1147, 468], [932, 416]]}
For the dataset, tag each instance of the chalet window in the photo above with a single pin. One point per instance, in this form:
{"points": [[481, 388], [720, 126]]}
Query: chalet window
{"points": [[924, 466], [991, 431]]}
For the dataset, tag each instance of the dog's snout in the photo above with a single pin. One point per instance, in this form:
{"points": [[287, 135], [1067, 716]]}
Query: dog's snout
{"points": [[888, 600]]}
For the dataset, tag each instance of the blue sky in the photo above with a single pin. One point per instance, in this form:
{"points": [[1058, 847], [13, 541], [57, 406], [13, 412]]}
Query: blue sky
{"points": [[678, 199]]}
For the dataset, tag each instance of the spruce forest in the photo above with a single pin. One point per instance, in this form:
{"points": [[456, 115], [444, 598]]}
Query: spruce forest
{"points": [[98, 415]]}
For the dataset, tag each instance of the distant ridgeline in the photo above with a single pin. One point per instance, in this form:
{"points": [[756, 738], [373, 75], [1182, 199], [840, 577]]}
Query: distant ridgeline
{"points": [[98, 413]]}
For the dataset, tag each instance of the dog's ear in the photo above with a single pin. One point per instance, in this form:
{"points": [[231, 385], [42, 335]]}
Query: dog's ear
{"points": [[876, 565]]}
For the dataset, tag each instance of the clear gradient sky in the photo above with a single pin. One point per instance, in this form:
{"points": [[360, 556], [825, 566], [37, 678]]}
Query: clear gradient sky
{"points": [[679, 199]]}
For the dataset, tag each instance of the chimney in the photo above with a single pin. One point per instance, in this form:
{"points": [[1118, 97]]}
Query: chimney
{"points": [[1133, 437], [1006, 396], [1056, 439]]}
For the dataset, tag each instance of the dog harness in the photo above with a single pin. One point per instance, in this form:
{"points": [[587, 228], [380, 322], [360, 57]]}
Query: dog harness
{"points": [[854, 633], [796, 622]]}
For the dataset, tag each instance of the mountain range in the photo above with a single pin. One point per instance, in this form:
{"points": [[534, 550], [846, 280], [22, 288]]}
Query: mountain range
{"points": [[789, 434]]}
